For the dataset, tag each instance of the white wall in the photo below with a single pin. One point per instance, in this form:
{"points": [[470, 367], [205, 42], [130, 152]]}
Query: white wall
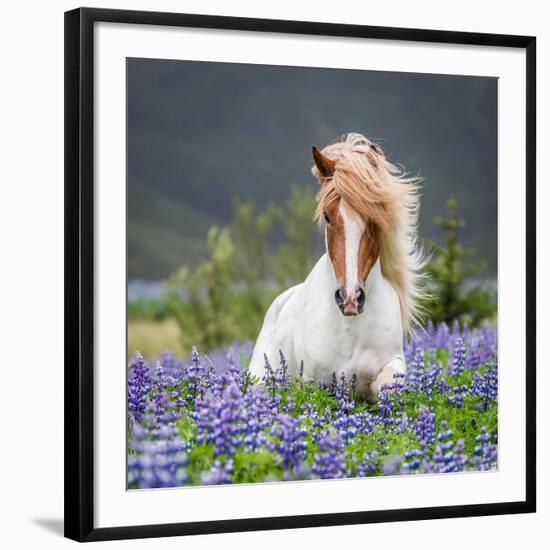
{"points": [[31, 269]]}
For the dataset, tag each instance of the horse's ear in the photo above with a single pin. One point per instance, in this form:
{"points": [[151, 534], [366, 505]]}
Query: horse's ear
{"points": [[324, 164]]}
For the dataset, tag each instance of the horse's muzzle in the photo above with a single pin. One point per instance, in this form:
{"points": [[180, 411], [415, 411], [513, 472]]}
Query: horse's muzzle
{"points": [[350, 303]]}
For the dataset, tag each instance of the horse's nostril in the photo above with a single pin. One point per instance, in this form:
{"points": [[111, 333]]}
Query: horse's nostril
{"points": [[360, 298], [340, 297]]}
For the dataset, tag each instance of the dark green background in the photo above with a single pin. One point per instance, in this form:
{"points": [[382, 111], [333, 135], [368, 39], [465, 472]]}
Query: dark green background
{"points": [[201, 135]]}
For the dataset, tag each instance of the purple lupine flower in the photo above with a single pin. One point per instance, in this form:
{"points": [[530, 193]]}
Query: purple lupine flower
{"points": [[456, 331], [403, 423], [456, 395], [442, 386], [485, 453], [341, 389], [197, 376], [389, 400], [460, 459], [364, 422], [219, 474], [415, 374], [348, 424], [232, 420], [162, 408], [442, 336], [424, 426], [459, 358], [398, 381], [219, 405], [485, 387], [281, 374], [139, 386], [368, 465], [392, 466], [302, 471], [260, 416], [333, 384], [289, 441], [159, 460], [330, 461], [385, 405], [269, 377], [221, 420], [171, 365], [231, 373], [160, 381], [473, 359], [236, 351], [431, 379], [316, 421], [448, 456], [481, 346], [413, 461]]}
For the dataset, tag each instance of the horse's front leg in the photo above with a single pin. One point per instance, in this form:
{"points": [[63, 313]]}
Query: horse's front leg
{"points": [[386, 376]]}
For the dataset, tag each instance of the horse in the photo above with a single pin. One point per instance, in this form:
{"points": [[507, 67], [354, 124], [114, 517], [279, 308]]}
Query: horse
{"points": [[362, 298]]}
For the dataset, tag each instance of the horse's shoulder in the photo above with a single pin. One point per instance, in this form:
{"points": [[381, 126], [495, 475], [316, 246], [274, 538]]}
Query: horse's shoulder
{"points": [[283, 298]]}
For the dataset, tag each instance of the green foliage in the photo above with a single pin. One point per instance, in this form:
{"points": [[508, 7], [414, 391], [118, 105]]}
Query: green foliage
{"points": [[294, 261], [201, 459], [252, 467], [210, 317], [224, 299], [449, 269], [150, 309], [251, 230], [257, 260], [301, 394]]}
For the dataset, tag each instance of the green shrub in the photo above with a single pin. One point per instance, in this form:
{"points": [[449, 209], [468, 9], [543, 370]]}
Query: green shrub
{"points": [[449, 269], [209, 315]]}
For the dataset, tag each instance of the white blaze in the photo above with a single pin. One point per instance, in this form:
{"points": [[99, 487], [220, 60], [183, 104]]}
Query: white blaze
{"points": [[353, 231]]}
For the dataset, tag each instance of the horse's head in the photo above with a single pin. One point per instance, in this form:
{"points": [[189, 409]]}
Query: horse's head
{"points": [[355, 209], [353, 248]]}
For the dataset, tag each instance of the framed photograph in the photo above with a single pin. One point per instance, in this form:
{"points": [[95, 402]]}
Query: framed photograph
{"points": [[300, 274]]}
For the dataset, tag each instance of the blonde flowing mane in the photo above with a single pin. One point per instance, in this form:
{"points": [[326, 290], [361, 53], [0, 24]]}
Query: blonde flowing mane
{"points": [[384, 195]]}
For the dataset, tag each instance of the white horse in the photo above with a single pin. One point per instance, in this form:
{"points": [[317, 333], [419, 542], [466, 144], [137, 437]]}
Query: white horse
{"points": [[353, 310]]}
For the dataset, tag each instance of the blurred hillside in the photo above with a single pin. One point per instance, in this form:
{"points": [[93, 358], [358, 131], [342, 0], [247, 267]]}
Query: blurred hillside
{"points": [[201, 135]]}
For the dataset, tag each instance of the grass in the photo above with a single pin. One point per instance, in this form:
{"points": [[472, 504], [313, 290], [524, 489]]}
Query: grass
{"points": [[152, 337]]}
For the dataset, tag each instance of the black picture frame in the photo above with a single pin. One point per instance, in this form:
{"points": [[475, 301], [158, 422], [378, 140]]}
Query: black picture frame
{"points": [[79, 269]]}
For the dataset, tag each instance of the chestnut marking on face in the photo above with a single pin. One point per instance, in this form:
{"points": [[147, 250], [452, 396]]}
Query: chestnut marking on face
{"points": [[353, 248]]}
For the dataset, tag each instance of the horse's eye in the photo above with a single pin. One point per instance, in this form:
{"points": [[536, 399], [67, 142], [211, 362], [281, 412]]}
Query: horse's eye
{"points": [[326, 217]]}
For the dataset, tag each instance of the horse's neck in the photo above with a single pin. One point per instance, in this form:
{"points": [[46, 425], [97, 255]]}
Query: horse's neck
{"points": [[378, 327]]}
